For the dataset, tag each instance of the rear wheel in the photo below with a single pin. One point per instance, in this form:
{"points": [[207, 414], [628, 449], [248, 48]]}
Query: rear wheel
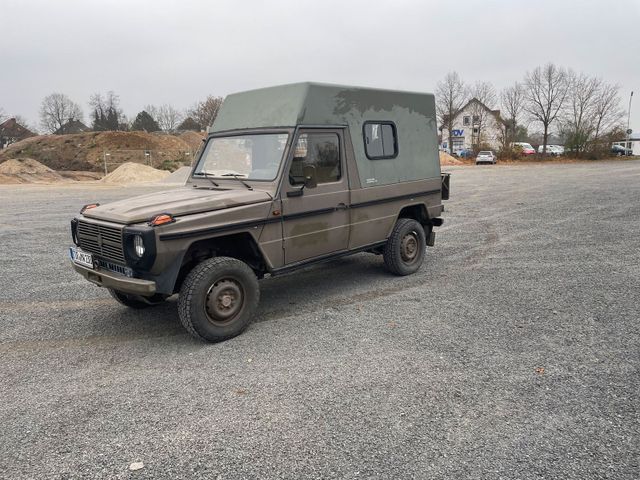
{"points": [[406, 247], [218, 299], [136, 301]]}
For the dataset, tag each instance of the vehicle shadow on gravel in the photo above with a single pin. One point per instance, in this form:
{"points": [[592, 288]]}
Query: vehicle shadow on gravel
{"points": [[312, 289], [332, 284]]}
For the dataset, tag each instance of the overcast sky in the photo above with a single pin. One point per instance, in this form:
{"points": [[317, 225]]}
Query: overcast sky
{"points": [[161, 51]]}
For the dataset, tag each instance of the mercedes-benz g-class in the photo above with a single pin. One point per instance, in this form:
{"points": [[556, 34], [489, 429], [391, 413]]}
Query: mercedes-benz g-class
{"points": [[288, 176]]}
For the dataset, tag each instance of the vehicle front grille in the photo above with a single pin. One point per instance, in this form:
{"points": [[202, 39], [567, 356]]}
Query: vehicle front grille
{"points": [[101, 240]]}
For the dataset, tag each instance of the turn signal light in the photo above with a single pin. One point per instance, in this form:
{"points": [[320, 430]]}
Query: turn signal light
{"points": [[89, 206], [161, 219]]}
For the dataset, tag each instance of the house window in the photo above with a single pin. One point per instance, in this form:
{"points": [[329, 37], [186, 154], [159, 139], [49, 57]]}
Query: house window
{"points": [[475, 130], [466, 120], [476, 119], [380, 140]]}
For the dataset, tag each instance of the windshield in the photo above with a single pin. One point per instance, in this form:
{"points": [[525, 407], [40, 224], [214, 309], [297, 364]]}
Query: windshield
{"points": [[252, 157], [484, 153]]}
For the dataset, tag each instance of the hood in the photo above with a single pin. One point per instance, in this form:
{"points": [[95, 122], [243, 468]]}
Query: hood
{"points": [[182, 201]]}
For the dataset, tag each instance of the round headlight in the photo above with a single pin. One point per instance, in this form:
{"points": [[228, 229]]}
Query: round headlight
{"points": [[138, 244]]}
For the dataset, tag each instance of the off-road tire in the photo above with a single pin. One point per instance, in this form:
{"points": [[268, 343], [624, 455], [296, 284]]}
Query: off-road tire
{"points": [[134, 301], [205, 293], [405, 248]]}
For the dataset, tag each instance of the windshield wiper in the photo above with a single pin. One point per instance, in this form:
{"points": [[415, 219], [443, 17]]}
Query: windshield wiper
{"points": [[206, 175], [237, 177]]}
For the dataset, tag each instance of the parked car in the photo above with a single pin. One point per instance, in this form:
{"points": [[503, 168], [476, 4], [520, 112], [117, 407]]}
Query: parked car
{"points": [[289, 176], [523, 148], [465, 153], [553, 150], [619, 150], [486, 156]]}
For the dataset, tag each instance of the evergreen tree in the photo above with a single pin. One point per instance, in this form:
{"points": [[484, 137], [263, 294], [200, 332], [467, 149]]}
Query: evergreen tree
{"points": [[106, 114], [190, 124], [145, 122]]}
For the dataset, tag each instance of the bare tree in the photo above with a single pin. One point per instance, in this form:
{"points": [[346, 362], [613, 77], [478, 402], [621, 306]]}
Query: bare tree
{"points": [[579, 115], [56, 111], [545, 92], [205, 111], [451, 95], [607, 112], [26, 123], [485, 94], [512, 102], [3, 115], [106, 112], [167, 116]]}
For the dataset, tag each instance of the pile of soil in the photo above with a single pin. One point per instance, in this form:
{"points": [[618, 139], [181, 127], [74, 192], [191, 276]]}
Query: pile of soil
{"points": [[86, 151], [129, 173], [193, 139], [27, 170], [446, 159]]}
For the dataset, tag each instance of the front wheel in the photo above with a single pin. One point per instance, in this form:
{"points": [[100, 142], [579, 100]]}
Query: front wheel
{"points": [[405, 249], [218, 299]]}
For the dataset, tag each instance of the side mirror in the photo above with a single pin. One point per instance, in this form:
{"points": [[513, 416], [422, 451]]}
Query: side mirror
{"points": [[309, 172]]}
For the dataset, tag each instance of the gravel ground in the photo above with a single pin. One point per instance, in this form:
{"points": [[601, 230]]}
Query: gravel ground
{"points": [[513, 353]]}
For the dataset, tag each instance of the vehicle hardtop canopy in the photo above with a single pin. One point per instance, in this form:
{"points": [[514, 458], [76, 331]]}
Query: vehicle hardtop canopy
{"points": [[313, 104]]}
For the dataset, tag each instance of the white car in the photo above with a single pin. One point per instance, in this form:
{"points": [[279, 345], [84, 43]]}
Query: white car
{"points": [[486, 156], [553, 150]]}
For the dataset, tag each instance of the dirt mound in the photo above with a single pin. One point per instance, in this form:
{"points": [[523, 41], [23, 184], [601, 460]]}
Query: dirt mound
{"points": [[446, 159], [193, 139], [23, 165], [87, 151], [128, 173], [9, 179], [27, 170]]}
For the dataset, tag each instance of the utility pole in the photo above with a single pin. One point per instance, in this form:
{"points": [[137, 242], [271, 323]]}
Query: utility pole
{"points": [[626, 145]]}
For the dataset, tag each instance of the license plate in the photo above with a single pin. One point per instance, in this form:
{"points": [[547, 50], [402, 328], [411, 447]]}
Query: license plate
{"points": [[80, 257]]}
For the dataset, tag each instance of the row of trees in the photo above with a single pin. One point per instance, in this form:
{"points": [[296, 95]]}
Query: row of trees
{"points": [[579, 108], [58, 113]]}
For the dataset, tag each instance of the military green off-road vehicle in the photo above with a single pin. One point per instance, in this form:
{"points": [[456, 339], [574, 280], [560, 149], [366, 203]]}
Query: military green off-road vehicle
{"points": [[288, 176]]}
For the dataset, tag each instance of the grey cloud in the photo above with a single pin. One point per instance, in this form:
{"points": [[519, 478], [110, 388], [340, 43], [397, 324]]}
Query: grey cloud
{"points": [[179, 51]]}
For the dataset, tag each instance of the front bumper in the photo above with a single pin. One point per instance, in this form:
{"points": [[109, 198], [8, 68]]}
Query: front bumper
{"points": [[102, 278]]}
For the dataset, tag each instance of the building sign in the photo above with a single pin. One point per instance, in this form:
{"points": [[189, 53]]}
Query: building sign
{"points": [[457, 133]]}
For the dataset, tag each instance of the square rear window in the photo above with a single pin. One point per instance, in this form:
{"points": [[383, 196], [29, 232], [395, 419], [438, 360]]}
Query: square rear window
{"points": [[380, 140]]}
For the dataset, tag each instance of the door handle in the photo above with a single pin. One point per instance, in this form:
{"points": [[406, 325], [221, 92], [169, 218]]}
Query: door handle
{"points": [[341, 206]]}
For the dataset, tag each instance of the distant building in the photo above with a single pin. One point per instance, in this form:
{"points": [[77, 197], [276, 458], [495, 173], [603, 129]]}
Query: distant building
{"points": [[475, 126], [72, 126], [633, 143], [11, 131]]}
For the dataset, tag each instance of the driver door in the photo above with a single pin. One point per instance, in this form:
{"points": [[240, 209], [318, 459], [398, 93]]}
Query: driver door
{"points": [[316, 218]]}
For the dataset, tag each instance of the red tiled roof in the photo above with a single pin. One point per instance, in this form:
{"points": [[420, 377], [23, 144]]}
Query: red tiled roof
{"points": [[13, 129]]}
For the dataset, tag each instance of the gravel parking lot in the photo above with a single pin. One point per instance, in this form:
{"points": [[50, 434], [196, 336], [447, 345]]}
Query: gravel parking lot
{"points": [[513, 353]]}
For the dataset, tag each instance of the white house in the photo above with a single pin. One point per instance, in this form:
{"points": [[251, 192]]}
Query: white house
{"points": [[475, 125], [633, 144]]}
